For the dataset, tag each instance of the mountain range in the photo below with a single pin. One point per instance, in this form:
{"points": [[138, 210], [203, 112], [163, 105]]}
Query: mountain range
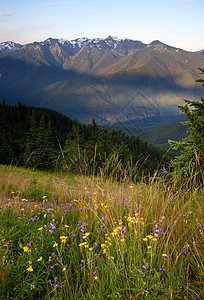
{"points": [[116, 81]]}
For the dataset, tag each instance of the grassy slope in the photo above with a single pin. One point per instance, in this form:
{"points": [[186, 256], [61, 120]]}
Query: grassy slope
{"points": [[153, 235]]}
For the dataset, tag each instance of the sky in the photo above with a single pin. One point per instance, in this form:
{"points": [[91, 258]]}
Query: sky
{"points": [[178, 23]]}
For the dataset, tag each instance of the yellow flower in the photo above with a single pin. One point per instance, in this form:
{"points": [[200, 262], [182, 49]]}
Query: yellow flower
{"points": [[145, 239], [55, 244], [122, 240], [66, 226], [86, 235], [41, 228], [26, 249], [39, 259], [149, 247], [30, 269], [30, 262], [32, 286], [90, 249]]}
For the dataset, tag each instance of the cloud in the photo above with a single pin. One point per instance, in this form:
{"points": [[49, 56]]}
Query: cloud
{"points": [[5, 14], [37, 27], [189, 0], [45, 4]]}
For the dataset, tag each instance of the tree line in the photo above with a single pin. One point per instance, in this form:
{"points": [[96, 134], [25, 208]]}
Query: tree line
{"points": [[47, 140]]}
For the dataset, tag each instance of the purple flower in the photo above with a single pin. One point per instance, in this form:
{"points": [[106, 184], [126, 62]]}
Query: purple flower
{"points": [[56, 278], [53, 226], [74, 236], [103, 218], [56, 265], [40, 238], [29, 244], [82, 261], [160, 269], [143, 267], [164, 270]]}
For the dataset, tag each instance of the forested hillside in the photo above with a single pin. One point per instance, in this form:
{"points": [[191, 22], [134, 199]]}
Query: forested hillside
{"points": [[48, 140]]}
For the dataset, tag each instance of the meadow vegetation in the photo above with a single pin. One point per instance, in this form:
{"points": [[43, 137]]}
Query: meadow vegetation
{"points": [[111, 232], [79, 237]]}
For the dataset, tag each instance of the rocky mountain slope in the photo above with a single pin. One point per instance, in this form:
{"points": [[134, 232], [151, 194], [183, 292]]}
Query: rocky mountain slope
{"points": [[112, 80]]}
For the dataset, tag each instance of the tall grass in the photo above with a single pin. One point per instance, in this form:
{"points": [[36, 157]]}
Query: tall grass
{"points": [[78, 237]]}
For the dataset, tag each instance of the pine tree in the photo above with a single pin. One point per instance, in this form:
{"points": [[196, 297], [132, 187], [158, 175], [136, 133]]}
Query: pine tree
{"points": [[6, 153], [31, 142], [74, 151], [44, 153], [6, 140], [191, 160]]}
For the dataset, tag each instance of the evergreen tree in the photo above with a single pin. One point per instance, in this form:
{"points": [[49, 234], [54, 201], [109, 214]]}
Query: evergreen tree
{"points": [[31, 142], [74, 150], [44, 153], [6, 153], [191, 160]]}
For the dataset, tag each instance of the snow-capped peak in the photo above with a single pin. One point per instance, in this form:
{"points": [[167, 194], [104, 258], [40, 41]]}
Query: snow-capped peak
{"points": [[62, 41], [9, 46]]}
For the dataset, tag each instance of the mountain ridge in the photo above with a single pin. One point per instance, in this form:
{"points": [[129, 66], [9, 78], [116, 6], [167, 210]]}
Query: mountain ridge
{"points": [[109, 79]]}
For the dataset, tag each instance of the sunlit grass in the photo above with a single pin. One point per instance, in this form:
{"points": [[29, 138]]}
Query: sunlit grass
{"points": [[74, 237]]}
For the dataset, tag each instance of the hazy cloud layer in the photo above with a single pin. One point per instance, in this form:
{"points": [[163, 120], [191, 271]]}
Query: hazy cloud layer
{"points": [[45, 4], [5, 14]]}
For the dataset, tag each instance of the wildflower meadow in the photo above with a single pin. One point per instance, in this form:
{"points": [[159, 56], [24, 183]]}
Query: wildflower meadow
{"points": [[78, 237]]}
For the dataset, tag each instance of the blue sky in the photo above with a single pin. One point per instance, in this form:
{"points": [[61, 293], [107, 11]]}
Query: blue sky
{"points": [[178, 23]]}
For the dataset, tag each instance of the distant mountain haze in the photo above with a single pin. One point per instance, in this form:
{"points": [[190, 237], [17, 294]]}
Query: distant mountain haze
{"points": [[112, 80]]}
